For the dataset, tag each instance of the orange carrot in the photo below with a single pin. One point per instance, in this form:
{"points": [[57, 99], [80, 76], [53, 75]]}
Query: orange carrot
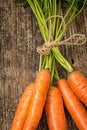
{"points": [[54, 110], [22, 109], [73, 105], [78, 83], [42, 83]]}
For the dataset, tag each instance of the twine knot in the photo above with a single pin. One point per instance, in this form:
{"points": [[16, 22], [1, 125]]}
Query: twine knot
{"points": [[75, 39]]}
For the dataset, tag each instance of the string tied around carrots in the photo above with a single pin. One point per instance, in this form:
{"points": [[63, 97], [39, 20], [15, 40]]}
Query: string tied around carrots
{"points": [[74, 39]]}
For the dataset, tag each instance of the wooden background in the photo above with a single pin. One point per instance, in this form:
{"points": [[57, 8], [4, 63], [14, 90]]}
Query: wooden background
{"points": [[19, 37]]}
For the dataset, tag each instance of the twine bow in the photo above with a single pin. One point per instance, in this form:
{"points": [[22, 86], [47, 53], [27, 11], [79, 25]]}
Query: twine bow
{"points": [[75, 39]]}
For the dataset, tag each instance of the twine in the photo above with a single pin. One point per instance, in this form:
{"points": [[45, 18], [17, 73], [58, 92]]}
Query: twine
{"points": [[75, 39]]}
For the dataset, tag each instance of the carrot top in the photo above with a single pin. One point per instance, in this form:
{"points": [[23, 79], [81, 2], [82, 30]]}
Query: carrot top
{"points": [[53, 27]]}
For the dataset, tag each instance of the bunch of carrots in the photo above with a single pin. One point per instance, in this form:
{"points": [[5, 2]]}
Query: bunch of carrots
{"points": [[42, 94]]}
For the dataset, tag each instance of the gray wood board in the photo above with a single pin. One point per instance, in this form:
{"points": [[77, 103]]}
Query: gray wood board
{"points": [[19, 60]]}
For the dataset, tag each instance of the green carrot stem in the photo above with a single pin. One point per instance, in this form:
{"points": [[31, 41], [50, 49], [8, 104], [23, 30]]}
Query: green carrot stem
{"points": [[56, 75], [59, 57]]}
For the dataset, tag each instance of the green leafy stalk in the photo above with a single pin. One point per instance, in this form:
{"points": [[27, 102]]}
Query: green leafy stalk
{"points": [[59, 57]]}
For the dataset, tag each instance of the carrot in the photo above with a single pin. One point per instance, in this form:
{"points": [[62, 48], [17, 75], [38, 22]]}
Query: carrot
{"points": [[73, 105], [78, 83], [22, 109], [42, 83], [54, 110]]}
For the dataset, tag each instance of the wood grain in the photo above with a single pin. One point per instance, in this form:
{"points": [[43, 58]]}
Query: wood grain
{"points": [[19, 37]]}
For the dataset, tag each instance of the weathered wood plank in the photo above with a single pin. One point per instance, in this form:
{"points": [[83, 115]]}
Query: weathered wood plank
{"points": [[19, 37]]}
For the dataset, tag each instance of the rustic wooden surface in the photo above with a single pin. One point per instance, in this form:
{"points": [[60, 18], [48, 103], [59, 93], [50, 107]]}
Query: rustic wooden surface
{"points": [[19, 37]]}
